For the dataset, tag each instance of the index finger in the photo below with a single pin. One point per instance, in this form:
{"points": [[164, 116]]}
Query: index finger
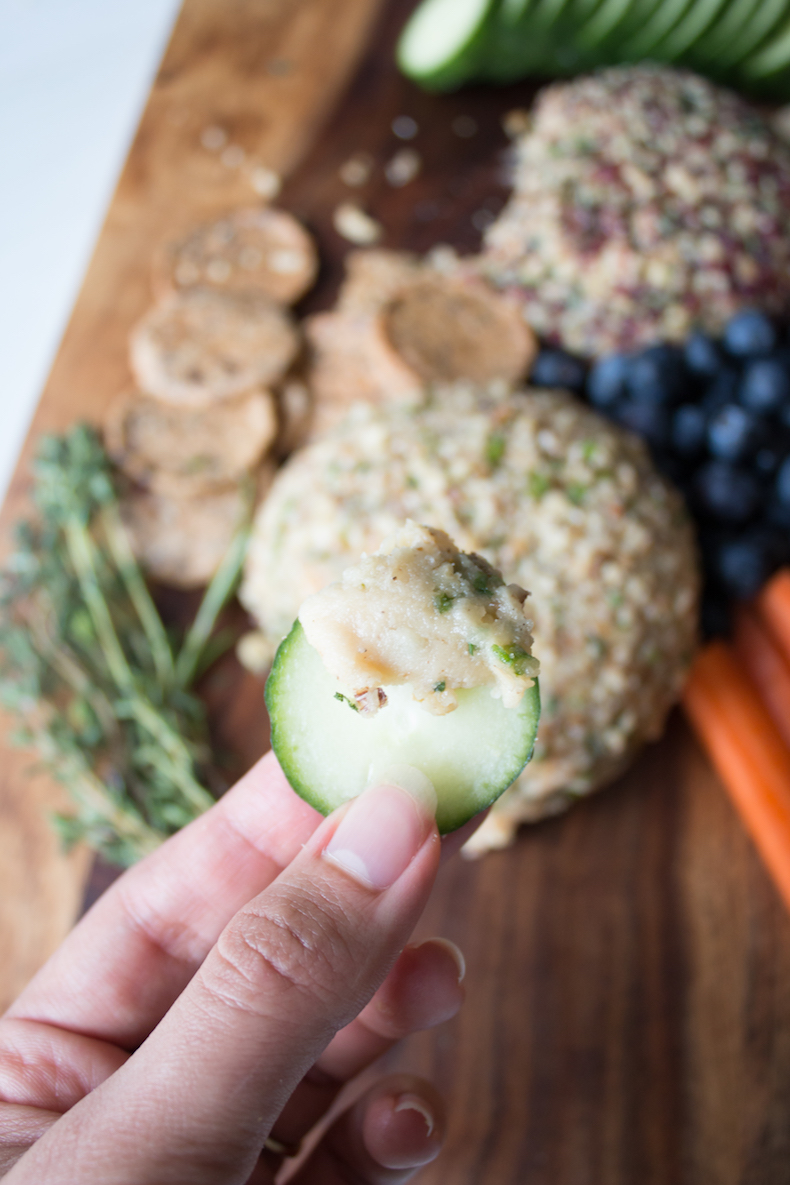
{"points": [[132, 955]]}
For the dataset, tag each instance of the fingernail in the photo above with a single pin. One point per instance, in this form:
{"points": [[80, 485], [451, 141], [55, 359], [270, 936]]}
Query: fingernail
{"points": [[413, 1102], [380, 835], [455, 953]]}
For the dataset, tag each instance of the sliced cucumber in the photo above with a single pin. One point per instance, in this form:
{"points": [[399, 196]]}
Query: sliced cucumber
{"points": [[441, 45], [763, 24], [665, 17], [772, 61], [727, 29], [330, 753], [694, 25]]}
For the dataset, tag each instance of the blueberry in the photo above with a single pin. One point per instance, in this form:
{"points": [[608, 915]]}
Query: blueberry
{"points": [[648, 420], [765, 386], [555, 368], [702, 354], [726, 492], [749, 333], [766, 460], [656, 375], [734, 434], [745, 564], [783, 483], [688, 430], [723, 390], [606, 380]]}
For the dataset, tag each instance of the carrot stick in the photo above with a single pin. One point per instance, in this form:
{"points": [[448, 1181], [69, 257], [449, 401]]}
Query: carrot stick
{"points": [[748, 752], [764, 662], [773, 605]]}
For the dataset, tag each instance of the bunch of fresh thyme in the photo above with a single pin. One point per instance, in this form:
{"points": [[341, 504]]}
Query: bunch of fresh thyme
{"points": [[103, 694]]}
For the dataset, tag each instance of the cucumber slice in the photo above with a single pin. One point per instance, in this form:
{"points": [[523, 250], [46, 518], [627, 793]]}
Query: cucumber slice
{"points": [[330, 753], [595, 32], [736, 17], [768, 15], [664, 19], [515, 49], [694, 25], [771, 61], [442, 42]]}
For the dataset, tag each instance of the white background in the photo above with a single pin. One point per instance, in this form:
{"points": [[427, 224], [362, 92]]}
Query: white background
{"points": [[74, 75]]}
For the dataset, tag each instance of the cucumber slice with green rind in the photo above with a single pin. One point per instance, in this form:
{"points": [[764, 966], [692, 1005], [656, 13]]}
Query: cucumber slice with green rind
{"points": [[694, 25], [727, 28], [331, 753], [770, 59], [664, 19], [442, 42], [768, 16]]}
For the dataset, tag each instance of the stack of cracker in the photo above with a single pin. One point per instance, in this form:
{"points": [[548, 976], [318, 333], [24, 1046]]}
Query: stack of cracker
{"points": [[403, 323], [212, 398]]}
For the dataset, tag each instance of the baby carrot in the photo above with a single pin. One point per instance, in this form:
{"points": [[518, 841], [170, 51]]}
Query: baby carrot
{"points": [[747, 750], [773, 604], [765, 664]]}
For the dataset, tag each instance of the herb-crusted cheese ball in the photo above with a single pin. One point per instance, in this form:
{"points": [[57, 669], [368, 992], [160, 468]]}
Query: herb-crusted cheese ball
{"points": [[562, 503], [646, 201]]}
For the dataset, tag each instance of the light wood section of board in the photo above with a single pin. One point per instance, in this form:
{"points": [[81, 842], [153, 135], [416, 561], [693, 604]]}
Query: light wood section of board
{"points": [[267, 73]]}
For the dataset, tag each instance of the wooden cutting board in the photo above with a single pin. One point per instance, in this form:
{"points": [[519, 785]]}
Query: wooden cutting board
{"points": [[628, 1011]]}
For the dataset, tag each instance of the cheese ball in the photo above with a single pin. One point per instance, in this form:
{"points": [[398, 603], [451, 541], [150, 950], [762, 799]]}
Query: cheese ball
{"points": [[562, 503], [646, 201]]}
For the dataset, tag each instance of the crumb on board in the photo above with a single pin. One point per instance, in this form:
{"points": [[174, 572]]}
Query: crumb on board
{"points": [[355, 225], [403, 167], [357, 170], [516, 122], [213, 137], [404, 127], [266, 183]]}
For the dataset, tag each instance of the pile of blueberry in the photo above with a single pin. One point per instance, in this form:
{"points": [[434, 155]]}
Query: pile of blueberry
{"points": [[716, 415]]}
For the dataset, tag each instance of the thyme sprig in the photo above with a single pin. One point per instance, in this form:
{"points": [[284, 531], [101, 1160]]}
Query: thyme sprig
{"points": [[103, 692]]}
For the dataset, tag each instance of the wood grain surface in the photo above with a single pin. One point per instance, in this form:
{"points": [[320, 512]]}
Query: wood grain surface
{"points": [[628, 1011]]}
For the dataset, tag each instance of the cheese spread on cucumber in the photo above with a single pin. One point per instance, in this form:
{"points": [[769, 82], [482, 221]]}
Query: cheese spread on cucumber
{"points": [[419, 611]]}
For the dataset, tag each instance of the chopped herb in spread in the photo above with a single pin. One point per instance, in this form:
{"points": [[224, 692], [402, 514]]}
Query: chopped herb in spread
{"points": [[344, 699]]}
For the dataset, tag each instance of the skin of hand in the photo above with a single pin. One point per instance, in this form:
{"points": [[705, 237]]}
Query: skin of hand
{"points": [[223, 991]]}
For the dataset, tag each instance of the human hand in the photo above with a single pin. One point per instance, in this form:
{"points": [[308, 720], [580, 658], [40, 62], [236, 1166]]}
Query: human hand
{"points": [[223, 991]]}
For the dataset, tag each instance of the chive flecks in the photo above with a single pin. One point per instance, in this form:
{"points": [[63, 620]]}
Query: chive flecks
{"points": [[537, 484], [440, 686], [495, 449], [345, 700], [443, 601], [514, 657], [472, 648]]}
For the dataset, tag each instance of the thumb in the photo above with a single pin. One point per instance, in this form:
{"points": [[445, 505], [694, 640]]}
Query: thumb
{"points": [[295, 965]]}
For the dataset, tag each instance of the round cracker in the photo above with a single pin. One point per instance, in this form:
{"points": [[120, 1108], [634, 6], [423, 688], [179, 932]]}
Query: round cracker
{"points": [[257, 250], [448, 329], [181, 541], [199, 346], [184, 452]]}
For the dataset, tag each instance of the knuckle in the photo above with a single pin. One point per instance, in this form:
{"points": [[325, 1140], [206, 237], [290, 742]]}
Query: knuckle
{"points": [[275, 948]]}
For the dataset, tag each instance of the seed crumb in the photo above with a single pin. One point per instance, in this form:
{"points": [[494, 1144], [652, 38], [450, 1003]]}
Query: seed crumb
{"points": [[516, 122], [233, 156], [213, 137], [266, 183], [357, 170], [403, 168], [404, 127], [464, 126], [355, 225]]}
